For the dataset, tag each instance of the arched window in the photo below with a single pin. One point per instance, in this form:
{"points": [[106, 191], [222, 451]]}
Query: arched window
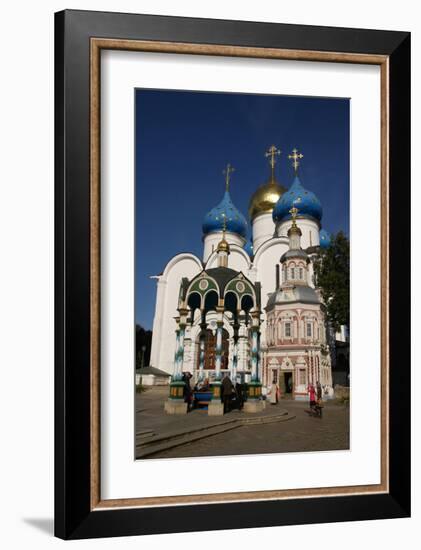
{"points": [[301, 273], [231, 302], [292, 273], [211, 300], [194, 303], [288, 329]]}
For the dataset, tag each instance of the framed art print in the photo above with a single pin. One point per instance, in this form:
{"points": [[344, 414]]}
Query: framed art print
{"points": [[232, 274]]}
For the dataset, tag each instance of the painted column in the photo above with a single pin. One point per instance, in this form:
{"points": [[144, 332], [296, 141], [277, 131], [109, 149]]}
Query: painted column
{"points": [[254, 392], [176, 375], [218, 350], [235, 355], [242, 353], [254, 353], [177, 385], [202, 338], [235, 351], [255, 387], [259, 357], [181, 348], [216, 384], [234, 361]]}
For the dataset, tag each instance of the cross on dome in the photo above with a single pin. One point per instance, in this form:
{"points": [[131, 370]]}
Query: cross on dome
{"points": [[272, 152], [295, 157], [294, 212], [227, 173], [294, 229]]}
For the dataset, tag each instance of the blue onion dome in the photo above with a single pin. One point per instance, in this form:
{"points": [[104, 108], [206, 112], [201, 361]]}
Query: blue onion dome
{"points": [[234, 219], [248, 247], [306, 201], [325, 238]]}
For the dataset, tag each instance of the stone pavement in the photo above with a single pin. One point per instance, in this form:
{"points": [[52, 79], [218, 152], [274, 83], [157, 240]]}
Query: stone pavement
{"points": [[301, 433]]}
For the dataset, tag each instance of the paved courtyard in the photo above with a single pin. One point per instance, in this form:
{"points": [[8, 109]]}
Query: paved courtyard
{"points": [[301, 433]]}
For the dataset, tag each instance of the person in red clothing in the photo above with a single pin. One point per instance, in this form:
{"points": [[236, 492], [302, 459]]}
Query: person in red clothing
{"points": [[312, 392]]}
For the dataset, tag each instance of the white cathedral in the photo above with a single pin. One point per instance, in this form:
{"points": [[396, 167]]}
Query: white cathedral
{"points": [[249, 309]]}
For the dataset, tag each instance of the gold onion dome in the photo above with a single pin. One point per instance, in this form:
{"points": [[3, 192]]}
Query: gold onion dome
{"points": [[265, 198], [267, 195], [223, 246]]}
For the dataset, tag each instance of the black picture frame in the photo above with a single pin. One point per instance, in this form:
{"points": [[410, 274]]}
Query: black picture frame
{"points": [[74, 516]]}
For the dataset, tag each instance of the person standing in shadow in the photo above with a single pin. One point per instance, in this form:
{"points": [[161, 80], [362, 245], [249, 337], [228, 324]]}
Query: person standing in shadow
{"points": [[227, 389], [187, 390], [240, 395]]}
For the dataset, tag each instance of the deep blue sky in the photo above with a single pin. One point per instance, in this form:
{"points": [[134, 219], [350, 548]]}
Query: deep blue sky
{"points": [[185, 139]]}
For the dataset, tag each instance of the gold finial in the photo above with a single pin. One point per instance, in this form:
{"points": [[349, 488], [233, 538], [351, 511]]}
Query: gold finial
{"points": [[227, 173], [223, 245], [294, 229], [295, 157], [272, 152]]}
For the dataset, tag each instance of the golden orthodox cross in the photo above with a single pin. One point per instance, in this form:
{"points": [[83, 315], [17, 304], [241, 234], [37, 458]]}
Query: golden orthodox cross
{"points": [[227, 173], [272, 152], [295, 157]]}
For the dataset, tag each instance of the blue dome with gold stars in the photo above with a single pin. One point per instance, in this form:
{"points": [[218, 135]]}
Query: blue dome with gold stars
{"points": [[325, 238], [235, 222], [305, 201]]}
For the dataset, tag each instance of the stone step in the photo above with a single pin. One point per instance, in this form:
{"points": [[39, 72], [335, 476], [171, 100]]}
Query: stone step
{"points": [[160, 443], [143, 435], [173, 435], [176, 442]]}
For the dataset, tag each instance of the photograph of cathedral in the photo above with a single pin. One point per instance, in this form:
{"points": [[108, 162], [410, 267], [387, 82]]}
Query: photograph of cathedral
{"points": [[249, 311]]}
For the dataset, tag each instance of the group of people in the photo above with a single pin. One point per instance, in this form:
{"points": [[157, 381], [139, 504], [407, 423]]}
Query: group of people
{"points": [[230, 392], [315, 393]]}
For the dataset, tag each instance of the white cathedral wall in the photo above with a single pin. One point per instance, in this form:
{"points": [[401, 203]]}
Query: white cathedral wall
{"points": [[210, 242], [263, 229], [265, 271], [168, 288], [309, 228]]}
